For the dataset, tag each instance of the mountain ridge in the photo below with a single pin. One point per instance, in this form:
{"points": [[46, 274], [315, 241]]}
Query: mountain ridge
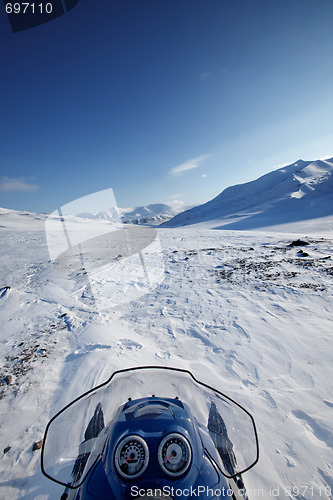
{"points": [[154, 213], [294, 192]]}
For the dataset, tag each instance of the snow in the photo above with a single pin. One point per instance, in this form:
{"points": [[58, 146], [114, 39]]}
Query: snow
{"points": [[243, 310], [290, 195]]}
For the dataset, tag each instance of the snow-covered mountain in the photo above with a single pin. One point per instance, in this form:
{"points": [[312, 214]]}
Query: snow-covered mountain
{"points": [[297, 192], [154, 214]]}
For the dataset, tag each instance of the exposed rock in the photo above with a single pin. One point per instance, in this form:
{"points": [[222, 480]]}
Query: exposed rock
{"points": [[37, 445], [298, 243], [6, 450], [302, 254], [8, 379]]}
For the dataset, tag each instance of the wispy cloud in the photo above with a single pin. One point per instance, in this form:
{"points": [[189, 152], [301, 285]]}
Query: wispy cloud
{"points": [[205, 75], [217, 72], [188, 165], [177, 204], [18, 184], [175, 201]]}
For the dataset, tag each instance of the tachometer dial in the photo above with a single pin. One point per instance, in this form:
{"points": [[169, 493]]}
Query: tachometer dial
{"points": [[131, 457], [174, 454]]}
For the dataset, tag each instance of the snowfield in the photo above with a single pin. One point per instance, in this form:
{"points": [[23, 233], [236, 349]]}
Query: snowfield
{"points": [[243, 310]]}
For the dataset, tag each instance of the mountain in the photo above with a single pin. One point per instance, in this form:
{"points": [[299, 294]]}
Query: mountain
{"points": [[153, 214], [297, 192]]}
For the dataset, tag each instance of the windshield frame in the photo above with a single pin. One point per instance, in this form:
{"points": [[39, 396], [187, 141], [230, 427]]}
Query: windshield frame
{"points": [[142, 368]]}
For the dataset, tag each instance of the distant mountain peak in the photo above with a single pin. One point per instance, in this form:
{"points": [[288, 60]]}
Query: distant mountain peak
{"points": [[153, 214]]}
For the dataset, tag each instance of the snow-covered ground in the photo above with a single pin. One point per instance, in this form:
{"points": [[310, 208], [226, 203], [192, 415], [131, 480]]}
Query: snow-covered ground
{"points": [[244, 311]]}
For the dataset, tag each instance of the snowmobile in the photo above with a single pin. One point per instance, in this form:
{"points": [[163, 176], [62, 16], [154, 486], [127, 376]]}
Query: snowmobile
{"points": [[151, 432]]}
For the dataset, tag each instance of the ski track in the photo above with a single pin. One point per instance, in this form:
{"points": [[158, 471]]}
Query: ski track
{"points": [[255, 323]]}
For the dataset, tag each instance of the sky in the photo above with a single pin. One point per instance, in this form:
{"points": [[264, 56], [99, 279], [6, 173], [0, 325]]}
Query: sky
{"points": [[164, 101]]}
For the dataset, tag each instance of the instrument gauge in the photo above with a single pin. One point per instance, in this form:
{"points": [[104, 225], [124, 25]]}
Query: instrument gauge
{"points": [[174, 454], [131, 457]]}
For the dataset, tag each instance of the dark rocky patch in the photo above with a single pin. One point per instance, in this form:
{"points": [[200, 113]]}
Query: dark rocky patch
{"points": [[265, 272], [37, 445], [329, 271], [298, 243], [19, 365], [311, 286], [302, 254], [8, 379]]}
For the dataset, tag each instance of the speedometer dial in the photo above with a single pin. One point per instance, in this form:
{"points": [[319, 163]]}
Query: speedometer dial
{"points": [[174, 454], [131, 457]]}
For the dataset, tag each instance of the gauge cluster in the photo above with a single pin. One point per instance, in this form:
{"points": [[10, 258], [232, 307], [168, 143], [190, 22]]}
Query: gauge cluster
{"points": [[174, 454], [132, 455]]}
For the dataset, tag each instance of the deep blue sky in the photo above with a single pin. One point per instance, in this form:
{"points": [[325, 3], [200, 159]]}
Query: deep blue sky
{"points": [[121, 93]]}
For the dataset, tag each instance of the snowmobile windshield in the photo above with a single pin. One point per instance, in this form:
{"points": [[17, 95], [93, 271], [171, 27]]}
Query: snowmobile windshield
{"points": [[75, 437]]}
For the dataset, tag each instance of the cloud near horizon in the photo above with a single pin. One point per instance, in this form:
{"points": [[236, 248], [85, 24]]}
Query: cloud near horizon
{"points": [[188, 165], [19, 185]]}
